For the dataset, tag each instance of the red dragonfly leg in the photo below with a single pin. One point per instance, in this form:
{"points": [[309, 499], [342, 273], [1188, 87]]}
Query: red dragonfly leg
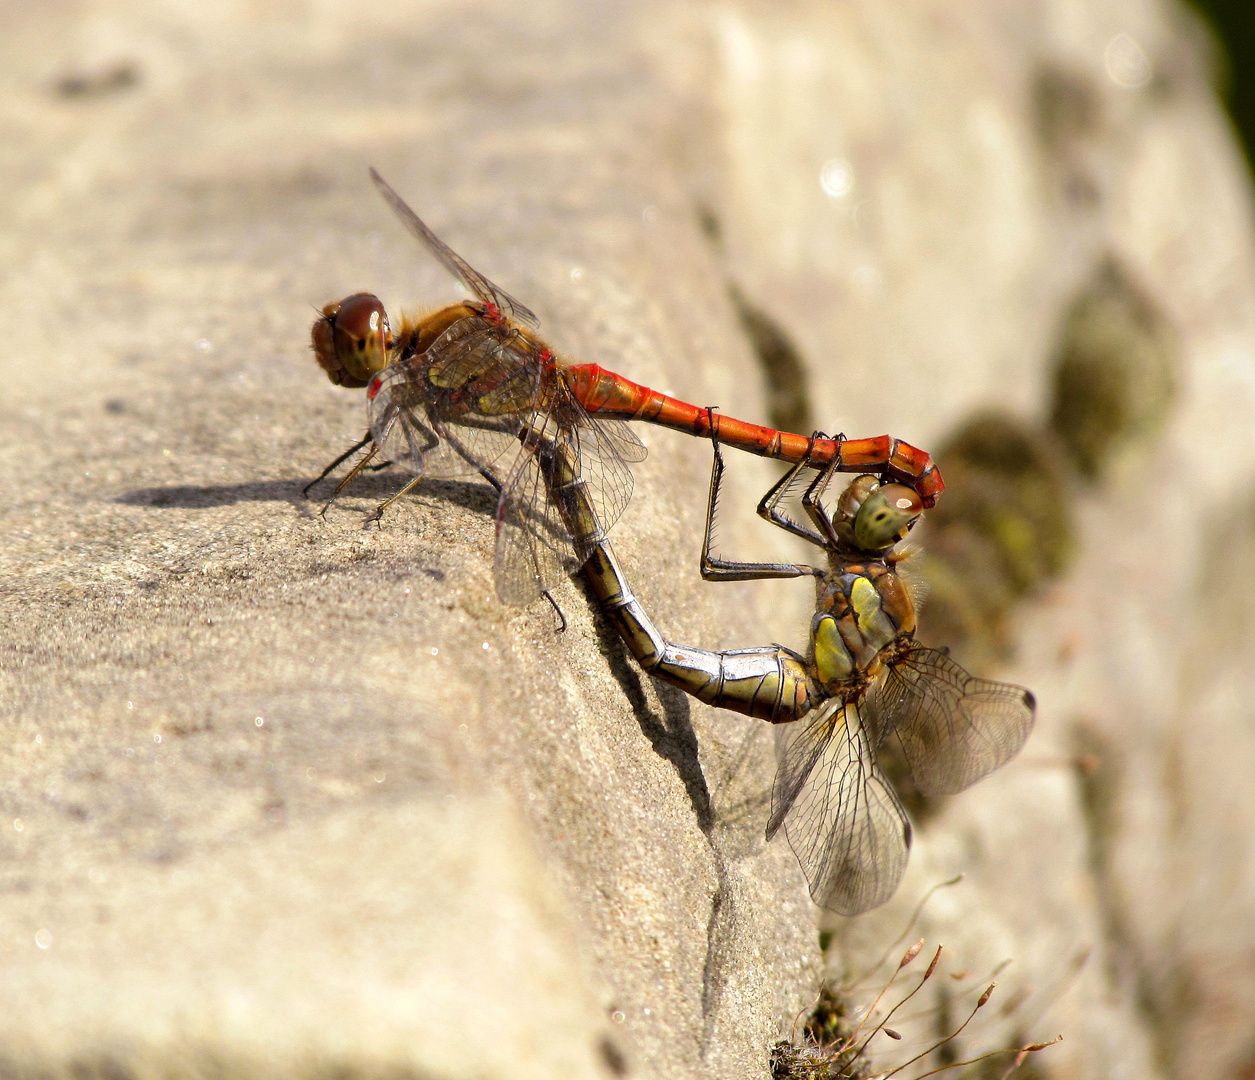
{"points": [[716, 569], [359, 445]]}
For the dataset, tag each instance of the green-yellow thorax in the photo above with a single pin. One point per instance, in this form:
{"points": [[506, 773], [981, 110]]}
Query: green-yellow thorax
{"points": [[863, 612]]}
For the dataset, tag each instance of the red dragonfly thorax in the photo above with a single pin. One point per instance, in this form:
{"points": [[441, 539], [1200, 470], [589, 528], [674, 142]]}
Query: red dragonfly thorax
{"points": [[419, 332]]}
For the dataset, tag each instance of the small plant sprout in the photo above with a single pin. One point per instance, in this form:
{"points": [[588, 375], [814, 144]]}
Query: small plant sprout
{"points": [[831, 1048]]}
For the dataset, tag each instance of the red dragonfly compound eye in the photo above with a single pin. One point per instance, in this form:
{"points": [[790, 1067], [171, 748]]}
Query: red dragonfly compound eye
{"points": [[353, 340]]}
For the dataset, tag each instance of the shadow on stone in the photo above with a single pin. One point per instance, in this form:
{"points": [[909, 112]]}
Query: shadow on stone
{"points": [[671, 735], [199, 496], [470, 495], [784, 372]]}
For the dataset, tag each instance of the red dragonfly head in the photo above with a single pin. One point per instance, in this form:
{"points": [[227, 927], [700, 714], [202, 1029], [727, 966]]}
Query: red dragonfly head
{"points": [[353, 340]]}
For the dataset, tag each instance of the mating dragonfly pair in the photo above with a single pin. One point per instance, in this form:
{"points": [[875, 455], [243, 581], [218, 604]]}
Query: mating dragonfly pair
{"points": [[471, 390]]}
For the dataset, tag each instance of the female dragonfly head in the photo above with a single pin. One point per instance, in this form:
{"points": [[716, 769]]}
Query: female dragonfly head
{"points": [[871, 517]]}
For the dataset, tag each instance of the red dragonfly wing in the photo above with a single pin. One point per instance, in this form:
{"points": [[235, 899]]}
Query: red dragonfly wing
{"points": [[597, 448], [504, 384], [487, 292], [843, 819], [953, 727], [616, 438], [410, 435], [465, 352], [535, 549]]}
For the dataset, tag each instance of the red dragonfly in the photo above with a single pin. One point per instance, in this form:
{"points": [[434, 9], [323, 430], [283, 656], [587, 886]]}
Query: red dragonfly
{"points": [[471, 389]]}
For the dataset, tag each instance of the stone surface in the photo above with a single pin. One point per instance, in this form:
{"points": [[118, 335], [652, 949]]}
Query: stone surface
{"points": [[285, 796]]}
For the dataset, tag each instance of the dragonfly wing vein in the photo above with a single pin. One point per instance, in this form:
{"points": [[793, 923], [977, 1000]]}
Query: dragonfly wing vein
{"points": [[953, 728], [609, 479], [534, 546], [450, 259], [407, 434], [843, 819]]}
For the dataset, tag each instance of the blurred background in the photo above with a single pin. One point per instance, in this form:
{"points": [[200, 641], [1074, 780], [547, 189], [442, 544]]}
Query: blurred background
{"points": [[290, 796], [1234, 27]]}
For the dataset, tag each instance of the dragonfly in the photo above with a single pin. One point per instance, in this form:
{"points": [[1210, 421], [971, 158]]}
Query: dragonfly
{"points": [[472, 390], [863, 683]]}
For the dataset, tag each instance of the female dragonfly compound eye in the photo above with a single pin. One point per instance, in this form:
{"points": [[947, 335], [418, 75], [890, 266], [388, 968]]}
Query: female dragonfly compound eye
{"points": [[886, 516]]}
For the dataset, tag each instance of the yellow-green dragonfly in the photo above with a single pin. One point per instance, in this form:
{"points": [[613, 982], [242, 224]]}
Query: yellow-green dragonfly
{"points": [[864, 680]]}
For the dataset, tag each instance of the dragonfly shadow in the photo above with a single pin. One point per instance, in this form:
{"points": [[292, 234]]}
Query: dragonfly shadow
{"points": [[671, 735], [472, 495], [199, 496]]}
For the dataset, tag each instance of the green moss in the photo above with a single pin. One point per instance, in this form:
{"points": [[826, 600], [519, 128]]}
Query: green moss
{"points": [[826, 1050], [1114, 372], [1002, 529]]}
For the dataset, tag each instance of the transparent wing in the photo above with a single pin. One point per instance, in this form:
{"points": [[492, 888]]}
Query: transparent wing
{"points": [[843, 820], [621, 439], [606, 478], [466, 352], [409, 435], [492, 372], [451, 260], [535, 549], [953, 727], [488, 423]]}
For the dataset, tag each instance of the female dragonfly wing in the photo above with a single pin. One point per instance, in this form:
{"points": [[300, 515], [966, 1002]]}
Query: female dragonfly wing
{"points": [[843, 820], [487, 292], [953, 728]]}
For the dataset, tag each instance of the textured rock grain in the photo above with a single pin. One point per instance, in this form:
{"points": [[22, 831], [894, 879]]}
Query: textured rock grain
{"points": [[284, 796]]}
